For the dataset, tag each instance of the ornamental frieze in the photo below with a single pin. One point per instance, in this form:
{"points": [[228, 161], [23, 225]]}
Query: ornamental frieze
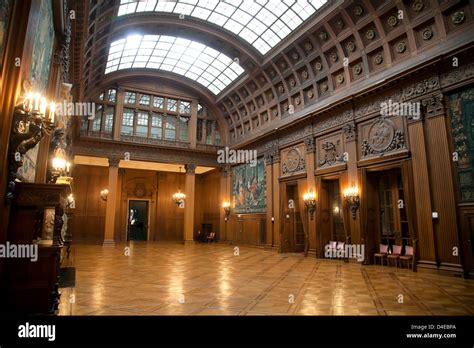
{"points": [[456, 75], [420, 88], [414, 90], [294, 136], [334, 121], [374, 106]]}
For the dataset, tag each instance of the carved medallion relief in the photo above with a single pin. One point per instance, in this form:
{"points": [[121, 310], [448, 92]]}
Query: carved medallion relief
{"points": [[293, 160], [381, 136]]}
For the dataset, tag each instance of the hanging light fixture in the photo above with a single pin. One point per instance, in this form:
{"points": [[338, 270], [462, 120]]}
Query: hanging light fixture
{"points": [[179, 197]]}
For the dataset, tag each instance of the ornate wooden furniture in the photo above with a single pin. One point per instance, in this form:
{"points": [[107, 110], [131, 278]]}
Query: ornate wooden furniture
{"points": [[36, 221]]}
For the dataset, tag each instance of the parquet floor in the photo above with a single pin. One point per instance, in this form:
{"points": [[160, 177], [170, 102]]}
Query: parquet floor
{"points": [[209, 279]]}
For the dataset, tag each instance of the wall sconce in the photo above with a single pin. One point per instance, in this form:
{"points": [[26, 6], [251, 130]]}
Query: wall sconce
{"points": [[351, 198], [32, 118], [60, 167], [103, 194], [71, 202], [310, 201], [226, 207], [179, 198]]}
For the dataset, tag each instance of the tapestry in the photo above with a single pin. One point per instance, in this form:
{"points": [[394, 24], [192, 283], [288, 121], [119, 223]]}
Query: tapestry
{"points": [[39, 75], [249, 188], [461, 112], [5, 13], [42, 48]]}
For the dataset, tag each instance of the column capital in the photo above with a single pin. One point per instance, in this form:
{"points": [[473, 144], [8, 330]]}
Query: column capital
{"points": [[433, 105], [350, 131], [114, 161], [309, 144], [226, 170], [190, 168]]}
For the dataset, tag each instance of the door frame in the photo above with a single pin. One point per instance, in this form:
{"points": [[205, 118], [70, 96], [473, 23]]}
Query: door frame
{"points": [[406, 172], [341, 177], [283, 182], [148, 221]]}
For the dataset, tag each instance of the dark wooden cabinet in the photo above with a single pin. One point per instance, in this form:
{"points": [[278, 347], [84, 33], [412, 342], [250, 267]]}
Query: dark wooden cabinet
{"points": [[36, 222]]}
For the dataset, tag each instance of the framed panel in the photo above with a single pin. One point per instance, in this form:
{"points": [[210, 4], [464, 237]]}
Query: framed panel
{"points": [[249, 188]]}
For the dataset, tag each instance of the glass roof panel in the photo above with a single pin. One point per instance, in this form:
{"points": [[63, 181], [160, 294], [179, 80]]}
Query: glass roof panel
{"points": [[251, 20], [184, 57]]}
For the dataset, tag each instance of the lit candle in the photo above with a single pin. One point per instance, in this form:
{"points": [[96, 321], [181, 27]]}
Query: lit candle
{"points": [[37, 102], [29, 101], [68, 165], [43, 106], [52, 109]]}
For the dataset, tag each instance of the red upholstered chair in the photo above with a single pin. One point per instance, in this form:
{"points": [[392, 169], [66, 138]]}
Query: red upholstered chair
{"points": [[408, 257], [395, 255], [382, 254]]}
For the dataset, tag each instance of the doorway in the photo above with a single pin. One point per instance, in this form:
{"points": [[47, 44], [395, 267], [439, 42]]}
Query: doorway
{"points": [[293, 236], [331, 220], [137, 220], [387, 218]]}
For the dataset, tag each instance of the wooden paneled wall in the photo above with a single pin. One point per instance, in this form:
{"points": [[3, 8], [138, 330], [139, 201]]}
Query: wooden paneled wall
{"points": [[89, 215], [165, 218], [208, 202], [247, 229]]}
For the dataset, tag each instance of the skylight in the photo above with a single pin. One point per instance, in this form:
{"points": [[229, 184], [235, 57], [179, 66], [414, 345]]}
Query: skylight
{"points": [[262, 23], [196, 61]]}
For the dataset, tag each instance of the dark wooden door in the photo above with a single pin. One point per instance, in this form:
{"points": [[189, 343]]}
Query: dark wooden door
{"points": [[293, 237]]}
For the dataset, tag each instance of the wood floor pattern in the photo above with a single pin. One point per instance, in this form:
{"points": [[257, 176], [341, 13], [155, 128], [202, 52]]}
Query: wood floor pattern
{"points": [[209, 279]]}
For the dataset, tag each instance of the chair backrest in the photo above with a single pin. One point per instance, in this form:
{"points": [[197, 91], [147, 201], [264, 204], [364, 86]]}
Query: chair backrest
{"points": [[383, 248], [408, 250], [397, 249], [212, 234]]}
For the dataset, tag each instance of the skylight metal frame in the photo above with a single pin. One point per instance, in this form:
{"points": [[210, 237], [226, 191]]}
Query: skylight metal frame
{"points": [[262, 23], [210, 68]]}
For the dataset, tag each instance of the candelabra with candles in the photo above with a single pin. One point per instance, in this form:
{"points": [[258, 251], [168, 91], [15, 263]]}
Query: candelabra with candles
{"points": [[352, 199], [32, 118]]}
